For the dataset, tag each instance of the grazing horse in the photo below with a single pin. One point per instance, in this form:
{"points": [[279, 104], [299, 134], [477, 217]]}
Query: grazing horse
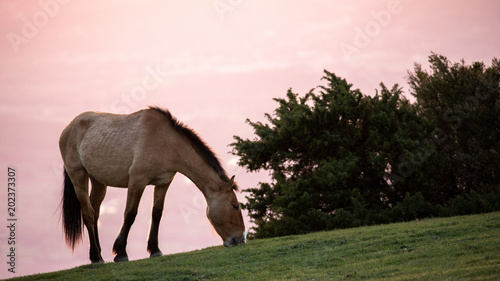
{"points": [[131, 151]]}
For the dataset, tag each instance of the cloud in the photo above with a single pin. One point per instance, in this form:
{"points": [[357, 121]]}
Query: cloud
{"points": [[246, 67], [108, 209]]}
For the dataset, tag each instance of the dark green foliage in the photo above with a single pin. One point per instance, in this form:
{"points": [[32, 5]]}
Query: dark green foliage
{"points": [[331, 156], [340, 159], [474, 203], [464, 101], [413, 207]]}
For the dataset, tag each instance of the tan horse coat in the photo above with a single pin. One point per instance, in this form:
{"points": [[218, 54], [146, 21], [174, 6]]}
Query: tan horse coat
{"points": [[147, 147]]}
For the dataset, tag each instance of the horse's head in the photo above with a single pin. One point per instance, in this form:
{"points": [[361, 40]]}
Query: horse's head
{"points": [[224, 213]]}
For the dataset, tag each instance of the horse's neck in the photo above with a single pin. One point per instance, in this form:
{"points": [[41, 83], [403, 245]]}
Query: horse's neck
{"points": [[208, 183], [201, 174]]}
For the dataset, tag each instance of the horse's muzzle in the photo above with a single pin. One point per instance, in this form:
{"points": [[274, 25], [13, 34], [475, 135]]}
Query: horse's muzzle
{"points": [[234, 240]]}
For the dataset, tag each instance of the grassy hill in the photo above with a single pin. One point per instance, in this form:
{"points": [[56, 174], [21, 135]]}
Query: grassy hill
{"points": [[457, 248]]}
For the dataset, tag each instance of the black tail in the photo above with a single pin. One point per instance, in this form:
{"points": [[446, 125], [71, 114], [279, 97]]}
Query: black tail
{"points": [[71, 213]]}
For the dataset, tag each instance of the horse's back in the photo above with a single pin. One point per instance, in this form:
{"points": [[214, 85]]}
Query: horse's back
{"points": [[103, 144]]}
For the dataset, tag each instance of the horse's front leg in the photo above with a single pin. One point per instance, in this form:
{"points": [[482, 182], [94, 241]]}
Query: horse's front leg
{"points": [[159, 200], [134, 195]]}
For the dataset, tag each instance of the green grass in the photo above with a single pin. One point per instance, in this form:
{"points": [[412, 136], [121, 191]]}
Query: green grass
{"points": [[457, 248]]}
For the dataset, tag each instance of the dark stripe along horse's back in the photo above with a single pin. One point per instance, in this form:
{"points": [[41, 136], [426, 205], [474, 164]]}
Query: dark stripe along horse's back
{"points": [[131, 151]]}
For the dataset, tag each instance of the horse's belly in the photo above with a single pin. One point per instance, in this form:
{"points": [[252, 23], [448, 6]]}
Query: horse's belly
{"points": [[107, 171], [108, 162]]}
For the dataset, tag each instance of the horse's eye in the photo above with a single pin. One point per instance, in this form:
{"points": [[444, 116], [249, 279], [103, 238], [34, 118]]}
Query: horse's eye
{"points": [[236, 207]]}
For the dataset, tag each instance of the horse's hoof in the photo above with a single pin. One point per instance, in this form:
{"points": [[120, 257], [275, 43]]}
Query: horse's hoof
{"points": [[120, 258], [157, 254], [98, 261]]}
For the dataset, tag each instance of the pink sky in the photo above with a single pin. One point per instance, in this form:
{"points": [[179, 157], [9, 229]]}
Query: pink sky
{"points": [[212, 68]]}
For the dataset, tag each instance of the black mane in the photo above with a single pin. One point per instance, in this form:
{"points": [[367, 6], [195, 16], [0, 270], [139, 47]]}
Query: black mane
{"points": [[198, 144]]}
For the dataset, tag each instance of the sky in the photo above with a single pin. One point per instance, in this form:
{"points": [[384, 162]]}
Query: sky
{"points": [[213, 64]]}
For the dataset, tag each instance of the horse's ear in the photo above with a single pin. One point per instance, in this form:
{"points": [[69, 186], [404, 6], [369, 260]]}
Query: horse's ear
{"points": [[230, 184]]}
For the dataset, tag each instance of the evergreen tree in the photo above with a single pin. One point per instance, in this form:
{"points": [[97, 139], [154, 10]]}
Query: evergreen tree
{"points": [[337, 158], [464, 101]]}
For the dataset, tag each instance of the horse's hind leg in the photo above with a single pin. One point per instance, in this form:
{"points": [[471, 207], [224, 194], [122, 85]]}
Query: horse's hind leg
{"points": [[159, 200], [80, 180], [96, 196]]}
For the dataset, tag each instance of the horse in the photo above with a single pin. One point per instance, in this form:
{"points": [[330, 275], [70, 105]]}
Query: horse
{"points": [[131, 151]]}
